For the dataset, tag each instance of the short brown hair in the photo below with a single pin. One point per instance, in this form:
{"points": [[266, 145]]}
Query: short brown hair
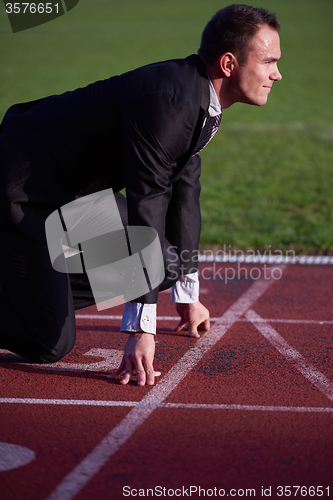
{"points": [[231, 30]]}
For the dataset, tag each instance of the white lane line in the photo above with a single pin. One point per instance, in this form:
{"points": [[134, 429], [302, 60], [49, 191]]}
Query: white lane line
{"points": [[93, 462], [314, 376], [176, 318], [295, 321], [191, 406], [67, 402], [301, 409]]}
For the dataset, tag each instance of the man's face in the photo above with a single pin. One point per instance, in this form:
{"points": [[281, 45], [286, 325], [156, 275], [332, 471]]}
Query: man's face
{"points": [[253, 81]]}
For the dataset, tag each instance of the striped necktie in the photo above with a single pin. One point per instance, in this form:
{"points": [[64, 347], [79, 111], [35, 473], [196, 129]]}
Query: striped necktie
{"points": [[208, 132]]}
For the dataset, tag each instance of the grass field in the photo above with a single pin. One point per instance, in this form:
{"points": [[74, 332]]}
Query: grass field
{"points": [[267, 180]]}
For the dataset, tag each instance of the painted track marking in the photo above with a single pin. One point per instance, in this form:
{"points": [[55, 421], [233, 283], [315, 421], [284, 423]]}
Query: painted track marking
{"points": [[112, 359], [107, 317], [317, 378], [191, 406], [94, 461], [13, 456]]}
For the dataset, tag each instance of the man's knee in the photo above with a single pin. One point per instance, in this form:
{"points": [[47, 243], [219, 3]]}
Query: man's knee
{"points": [[35, 351], [56, 353], [59, 342]]}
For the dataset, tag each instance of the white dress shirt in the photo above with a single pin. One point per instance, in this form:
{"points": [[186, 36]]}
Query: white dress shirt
{"points": [[142, 317]]}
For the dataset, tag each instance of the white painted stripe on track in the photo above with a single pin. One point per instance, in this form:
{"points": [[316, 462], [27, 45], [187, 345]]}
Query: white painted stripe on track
{"points": [[247, 407], [229, 258], [111, 360], [293, 321], [106, 317], [191, 406], [67, 402], [94, 461], [314, 376]]}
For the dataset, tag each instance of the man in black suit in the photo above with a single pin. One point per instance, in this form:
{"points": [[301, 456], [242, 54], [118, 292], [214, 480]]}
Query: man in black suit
{"points": [[141, 130]]}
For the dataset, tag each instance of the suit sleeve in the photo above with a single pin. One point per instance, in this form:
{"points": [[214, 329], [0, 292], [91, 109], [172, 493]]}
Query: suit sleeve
{"points": [[158, 130], [184, 206]]}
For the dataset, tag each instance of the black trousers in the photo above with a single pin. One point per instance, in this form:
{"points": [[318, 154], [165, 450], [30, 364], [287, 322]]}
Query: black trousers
{"points": [[37, 303]]}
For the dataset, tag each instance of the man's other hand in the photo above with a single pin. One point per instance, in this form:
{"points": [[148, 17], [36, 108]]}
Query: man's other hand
{"points": [[138, 356], [195, 316]]}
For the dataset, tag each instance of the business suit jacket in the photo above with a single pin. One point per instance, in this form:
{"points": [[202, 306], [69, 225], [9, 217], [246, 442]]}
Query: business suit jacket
{"points": [[137, 130]]}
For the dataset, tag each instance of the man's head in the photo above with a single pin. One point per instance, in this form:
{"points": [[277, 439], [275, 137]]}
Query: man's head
{"points": [[231, 30], [241, 48]]}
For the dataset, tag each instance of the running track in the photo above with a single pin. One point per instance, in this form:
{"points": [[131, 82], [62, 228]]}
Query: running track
{"points": [[246, 407]]}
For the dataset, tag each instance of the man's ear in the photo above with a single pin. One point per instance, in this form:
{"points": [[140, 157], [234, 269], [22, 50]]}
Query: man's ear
{"points": [[228, 63]]}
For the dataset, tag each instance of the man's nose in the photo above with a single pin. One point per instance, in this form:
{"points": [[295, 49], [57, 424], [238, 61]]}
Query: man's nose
{"points": [[276, 75]]}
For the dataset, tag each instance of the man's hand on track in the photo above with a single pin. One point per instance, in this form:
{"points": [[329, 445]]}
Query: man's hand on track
{"points": [[138, 357], [195, 316]]}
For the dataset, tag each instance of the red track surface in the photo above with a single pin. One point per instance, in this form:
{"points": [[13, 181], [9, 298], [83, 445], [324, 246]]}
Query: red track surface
{"points": [[249, 405]]}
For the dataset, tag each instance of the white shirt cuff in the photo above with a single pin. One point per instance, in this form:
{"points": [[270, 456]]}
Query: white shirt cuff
{"points": [[139, 318], [186, 289]]}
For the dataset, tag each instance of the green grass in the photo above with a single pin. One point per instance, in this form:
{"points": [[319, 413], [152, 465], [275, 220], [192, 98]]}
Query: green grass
{"points": [[276, 195], [267, 178]]}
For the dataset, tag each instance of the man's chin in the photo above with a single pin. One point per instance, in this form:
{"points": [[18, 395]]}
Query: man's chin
{"points": [[258, 101], [262, 103]]}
